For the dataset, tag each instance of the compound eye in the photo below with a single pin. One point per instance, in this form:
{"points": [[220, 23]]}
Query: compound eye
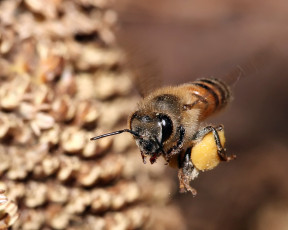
{"points": [[167, 126]]}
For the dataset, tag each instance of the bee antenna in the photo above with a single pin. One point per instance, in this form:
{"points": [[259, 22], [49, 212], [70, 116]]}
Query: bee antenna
{"points": [[115, 133]]}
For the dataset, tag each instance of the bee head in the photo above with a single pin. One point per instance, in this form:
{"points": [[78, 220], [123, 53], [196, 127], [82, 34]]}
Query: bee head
{"points": [[153, 130], [150, 133]]}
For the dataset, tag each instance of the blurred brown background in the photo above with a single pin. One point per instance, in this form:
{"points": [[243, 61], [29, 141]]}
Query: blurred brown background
{"points": [[192, 39]]}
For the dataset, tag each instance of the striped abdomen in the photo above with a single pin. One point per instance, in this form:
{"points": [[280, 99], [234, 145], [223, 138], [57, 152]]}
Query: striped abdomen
{"points": [[210, 95]]}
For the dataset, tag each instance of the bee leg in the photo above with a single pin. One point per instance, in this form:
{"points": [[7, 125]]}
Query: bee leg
{"points": [[220, 150], [187, 172], [178, 147], [143, 157]]}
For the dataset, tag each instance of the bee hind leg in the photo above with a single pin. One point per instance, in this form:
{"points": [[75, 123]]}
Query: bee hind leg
{"points": [[187, 172], [220, 150]]}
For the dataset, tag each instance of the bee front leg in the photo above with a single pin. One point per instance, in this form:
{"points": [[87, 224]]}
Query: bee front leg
{"points": [[220, 150], [187, 172], [179, 145]]}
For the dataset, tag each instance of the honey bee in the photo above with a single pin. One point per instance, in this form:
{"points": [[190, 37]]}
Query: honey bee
{"points": [[168, 121]]}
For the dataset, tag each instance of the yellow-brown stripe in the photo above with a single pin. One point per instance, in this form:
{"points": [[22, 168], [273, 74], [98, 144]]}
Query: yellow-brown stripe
{"points": [[212, 95]]}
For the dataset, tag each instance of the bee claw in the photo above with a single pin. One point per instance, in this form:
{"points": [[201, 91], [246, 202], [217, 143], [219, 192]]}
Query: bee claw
{"points": [[224, 157], [193, 191], [143, 158], [232, 157]]}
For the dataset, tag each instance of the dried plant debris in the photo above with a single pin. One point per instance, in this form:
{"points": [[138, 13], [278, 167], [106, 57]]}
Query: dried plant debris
{"points": [[62, 81]]}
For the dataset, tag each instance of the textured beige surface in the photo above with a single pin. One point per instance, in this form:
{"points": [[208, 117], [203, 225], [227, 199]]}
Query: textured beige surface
{"points": [[63, 81], [8, 211]]}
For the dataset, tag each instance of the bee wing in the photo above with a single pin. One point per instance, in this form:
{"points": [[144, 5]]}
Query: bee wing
{"points": [[144, 69], [213, 94], [248, 68], [145, 75]]}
